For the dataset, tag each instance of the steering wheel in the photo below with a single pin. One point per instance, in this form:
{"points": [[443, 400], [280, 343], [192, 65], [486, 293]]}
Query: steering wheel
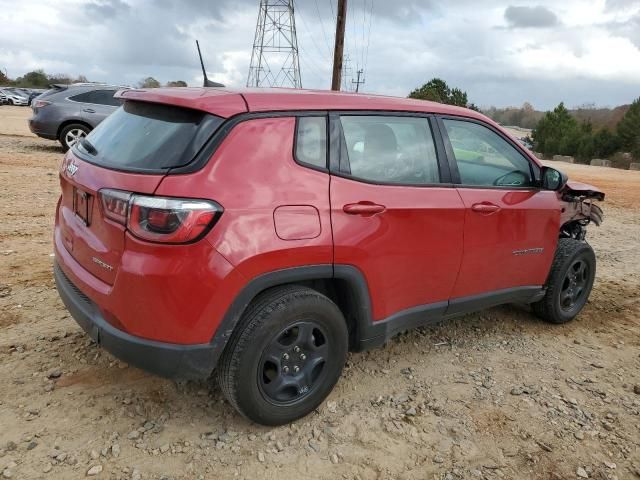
{"points": [[520, 179]]}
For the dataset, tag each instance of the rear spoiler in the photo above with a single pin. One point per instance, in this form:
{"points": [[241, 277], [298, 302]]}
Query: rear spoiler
{"points": [[59, 86]]}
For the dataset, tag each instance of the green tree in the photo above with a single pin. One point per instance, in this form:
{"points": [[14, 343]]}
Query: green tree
{"points": [[62, 78], [149, 82], [4, 79], [556, 133], [605, 143], [458, 97], [437, 90], [177, 83], [35, 79], [629, 129]]}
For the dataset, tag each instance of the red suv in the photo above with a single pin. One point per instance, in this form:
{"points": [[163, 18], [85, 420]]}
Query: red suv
{"points": [[265, 233]]}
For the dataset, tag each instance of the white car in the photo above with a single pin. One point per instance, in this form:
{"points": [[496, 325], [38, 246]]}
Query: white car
{"points": [[14, 98]]}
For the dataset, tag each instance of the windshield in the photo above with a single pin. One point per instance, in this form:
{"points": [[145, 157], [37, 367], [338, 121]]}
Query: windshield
{"points": [[149, 137]]}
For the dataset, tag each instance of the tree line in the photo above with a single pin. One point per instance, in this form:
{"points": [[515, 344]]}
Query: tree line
{"points": [[584, 133], [41, 79], [560, 133]]}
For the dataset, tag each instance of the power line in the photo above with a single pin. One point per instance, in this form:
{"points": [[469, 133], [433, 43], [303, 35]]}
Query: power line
{"points": [[366, 57], [353, 38], [313, 39], [364, 18], [324, 33]]}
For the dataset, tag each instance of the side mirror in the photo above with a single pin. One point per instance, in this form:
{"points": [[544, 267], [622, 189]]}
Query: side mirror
{"points": [[553, 179]]}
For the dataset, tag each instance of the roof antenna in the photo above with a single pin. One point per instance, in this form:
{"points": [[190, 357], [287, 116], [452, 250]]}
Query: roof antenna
{"points": [[207, 82]]}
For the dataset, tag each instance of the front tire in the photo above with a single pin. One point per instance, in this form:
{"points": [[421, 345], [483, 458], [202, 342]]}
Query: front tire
{"points": [[285, 356], [569, 283], [71, 134]]}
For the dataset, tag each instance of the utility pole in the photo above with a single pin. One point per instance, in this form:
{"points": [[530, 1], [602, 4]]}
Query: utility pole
{"points": [[358, 81], [274, 59], [339, 45]]}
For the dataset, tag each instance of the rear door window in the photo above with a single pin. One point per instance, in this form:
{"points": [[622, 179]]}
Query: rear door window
{"points": [[150, 137], [98, 97], [388, 149], [105, 97]]}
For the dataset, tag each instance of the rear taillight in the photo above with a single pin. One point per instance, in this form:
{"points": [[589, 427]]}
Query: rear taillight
{"points": [[115, 204], [39, 103], [160, 219]]}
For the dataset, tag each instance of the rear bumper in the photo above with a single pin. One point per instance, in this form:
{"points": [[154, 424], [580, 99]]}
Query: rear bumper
{"points": [[164, 359], [42, 129]]}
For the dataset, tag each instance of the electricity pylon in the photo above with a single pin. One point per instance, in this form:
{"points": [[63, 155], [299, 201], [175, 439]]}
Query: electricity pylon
{"points": [[274, 59]]}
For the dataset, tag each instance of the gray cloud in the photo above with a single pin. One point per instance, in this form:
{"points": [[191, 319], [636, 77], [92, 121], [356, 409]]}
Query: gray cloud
{"points": [[106, 9], [530, 17], [122, 41], [621, 4], [629, 29]]}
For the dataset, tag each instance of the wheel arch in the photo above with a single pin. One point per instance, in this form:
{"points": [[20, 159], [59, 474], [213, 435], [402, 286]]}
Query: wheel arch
{"points": [[345, 285], [66, 123]]}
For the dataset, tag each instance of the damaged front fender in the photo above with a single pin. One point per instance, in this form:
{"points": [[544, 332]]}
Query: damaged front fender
{"points": [[580, 208]]}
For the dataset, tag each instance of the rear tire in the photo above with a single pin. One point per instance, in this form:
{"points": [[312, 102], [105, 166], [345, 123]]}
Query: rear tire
{"points": [[285, 355], [569, 283], [71, 134]]}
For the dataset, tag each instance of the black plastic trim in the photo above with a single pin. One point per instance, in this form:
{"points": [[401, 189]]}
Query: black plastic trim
{"points": [[368, 333], [164, 359], [460, 306], [198, 361], [259, 284], [221, 133], [441, 153], [374, 334], [335, 142]]}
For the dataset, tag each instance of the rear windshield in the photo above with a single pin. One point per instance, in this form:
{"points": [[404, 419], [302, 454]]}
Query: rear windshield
{"points": [[143, 136]]}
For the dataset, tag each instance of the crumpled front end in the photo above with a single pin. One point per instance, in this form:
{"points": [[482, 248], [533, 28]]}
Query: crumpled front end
{"points": [[580, 208]]}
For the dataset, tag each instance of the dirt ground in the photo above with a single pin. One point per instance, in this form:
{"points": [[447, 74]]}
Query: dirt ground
{"points": [[493, 395]]}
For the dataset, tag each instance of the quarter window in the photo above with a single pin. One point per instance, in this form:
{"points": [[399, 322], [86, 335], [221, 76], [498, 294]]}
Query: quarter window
{"points": [[311, 141], [484, 158], [387, 149]]}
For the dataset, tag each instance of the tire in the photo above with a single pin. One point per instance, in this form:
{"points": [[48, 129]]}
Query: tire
{"points": [[569, 283], [73, 130], [285, 355]]}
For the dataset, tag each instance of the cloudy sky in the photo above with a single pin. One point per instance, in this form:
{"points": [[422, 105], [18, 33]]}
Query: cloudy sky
{"points": [[501, 53]]}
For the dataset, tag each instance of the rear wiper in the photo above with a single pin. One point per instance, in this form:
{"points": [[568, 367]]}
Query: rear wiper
{"points": [[86, 144]]}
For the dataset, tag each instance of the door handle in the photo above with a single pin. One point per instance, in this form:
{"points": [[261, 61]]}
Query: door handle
{"points": [[485, 207], [89, 110], [363, 208]]}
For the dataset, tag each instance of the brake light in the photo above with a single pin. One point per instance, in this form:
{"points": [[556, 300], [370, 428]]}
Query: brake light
{"points": [[160, 219], [115, 204], [39, 103]]}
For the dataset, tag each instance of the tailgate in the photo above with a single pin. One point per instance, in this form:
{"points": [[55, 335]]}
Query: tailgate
{"points": [[92, 240], [132, 150]]}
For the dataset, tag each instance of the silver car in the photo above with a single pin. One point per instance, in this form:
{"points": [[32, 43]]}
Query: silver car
{"points": [[67, 113], [14, 98]]}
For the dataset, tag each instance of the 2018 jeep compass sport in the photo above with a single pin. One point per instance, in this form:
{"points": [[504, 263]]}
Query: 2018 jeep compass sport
{"points": [[264, 233]]}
